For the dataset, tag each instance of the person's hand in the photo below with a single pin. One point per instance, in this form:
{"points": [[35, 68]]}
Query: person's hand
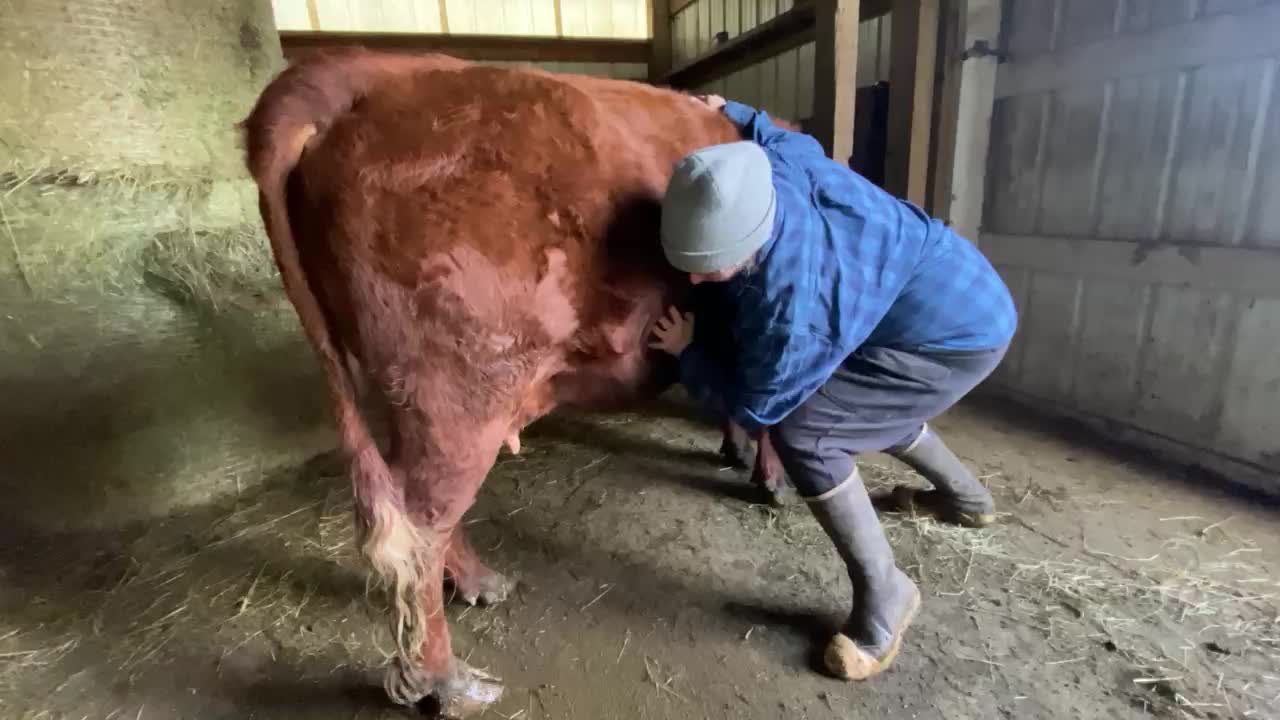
{"points": [[715, 102], [673, 332]]}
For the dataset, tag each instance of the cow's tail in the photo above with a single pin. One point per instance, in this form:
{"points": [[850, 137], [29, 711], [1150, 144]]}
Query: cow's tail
{"points": [[291, 112]]}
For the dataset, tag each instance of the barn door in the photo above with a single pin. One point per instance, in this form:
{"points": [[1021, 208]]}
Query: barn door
{"points": [[1133, 205]]}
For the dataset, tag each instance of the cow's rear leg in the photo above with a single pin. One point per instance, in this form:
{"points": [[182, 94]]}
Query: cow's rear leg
{"points": [[769, 475], [735, 449], [473, 581], [439, 487]]}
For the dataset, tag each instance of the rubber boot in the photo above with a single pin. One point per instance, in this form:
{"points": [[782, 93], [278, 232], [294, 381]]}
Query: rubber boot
{"points": [[885, 600], [957, 496]]}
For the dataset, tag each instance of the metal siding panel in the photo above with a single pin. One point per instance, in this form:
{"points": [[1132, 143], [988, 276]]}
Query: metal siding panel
{"points": [[1264, 227], [683, 34], [1112, 315], [517, 17], [1029, 27], [1209, 178], [751, 85], [624, 20], [804, 81], [787, 85], [1251, 421], [717, 18], [544, 17], [462, 17], [747, 12], [573, 17], [334, 15], [1137, 144], [732, 18], [766, 10], [704, 25], [1178, 385], [1013, 174], [1143, 15], [1049, 335], [1071, 148], [291, 14], [599, 18], [769, 86], [1085, 21]]}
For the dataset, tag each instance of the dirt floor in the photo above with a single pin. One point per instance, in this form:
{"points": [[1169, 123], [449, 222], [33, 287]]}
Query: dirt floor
{"points": [[651, 587]]}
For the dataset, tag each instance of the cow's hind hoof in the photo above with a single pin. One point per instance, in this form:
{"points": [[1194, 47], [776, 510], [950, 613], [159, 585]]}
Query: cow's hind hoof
{"points": [[491, 589], [467, 692], [737, 455], [777, 497], [464, 692]]}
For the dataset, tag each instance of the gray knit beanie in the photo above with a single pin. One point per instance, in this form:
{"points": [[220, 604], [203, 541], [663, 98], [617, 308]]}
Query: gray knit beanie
{"points": [[719, 208]]}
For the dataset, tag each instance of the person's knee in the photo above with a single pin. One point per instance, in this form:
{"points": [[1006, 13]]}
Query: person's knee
{"points": [[814, 467]]}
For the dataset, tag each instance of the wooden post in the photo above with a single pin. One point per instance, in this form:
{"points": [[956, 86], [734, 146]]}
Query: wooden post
{"points": [[981, 19], [660, 31], [946, 100], [835, 76], [914, 52]]}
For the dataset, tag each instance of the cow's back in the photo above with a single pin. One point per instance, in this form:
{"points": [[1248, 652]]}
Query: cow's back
{"points": [[514, 202]]}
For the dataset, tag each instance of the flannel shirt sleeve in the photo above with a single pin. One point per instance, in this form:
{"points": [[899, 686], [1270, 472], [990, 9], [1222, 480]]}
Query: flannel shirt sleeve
{"points": [[757, 127], [780, 369]]}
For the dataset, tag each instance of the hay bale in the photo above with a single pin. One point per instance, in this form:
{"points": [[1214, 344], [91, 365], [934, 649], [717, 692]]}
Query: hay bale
{"points": [[148, 359]]}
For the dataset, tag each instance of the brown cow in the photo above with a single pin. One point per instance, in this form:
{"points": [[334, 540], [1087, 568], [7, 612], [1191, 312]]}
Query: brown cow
{"points": [[484, 243]]}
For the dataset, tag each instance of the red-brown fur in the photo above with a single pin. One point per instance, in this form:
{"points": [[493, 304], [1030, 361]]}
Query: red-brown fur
{"points": [[484, 243]]}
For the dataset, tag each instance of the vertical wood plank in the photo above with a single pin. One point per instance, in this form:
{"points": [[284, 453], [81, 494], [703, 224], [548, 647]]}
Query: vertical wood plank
{"points": [[914, 50], [835, 76]]}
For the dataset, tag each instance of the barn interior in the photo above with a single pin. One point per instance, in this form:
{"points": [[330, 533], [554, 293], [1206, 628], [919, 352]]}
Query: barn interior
{"points": [[176, 531]]}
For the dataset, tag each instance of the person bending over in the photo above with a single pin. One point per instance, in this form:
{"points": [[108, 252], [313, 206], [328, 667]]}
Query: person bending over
{"points": [[857, 318]]}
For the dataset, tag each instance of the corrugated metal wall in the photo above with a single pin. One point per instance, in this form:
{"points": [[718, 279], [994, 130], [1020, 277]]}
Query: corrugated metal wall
{"points": [[1133, 205], [619, 19], [783, 84]]}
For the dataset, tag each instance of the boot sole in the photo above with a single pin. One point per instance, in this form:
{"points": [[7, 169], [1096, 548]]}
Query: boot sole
{"points": [[845, 660]]}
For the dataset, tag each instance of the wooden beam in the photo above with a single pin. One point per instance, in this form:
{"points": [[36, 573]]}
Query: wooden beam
{"points": [[660, 31], [678, 5], [914, 47], [1212, 268], [475, 47], [836, 76], [981, 19]]}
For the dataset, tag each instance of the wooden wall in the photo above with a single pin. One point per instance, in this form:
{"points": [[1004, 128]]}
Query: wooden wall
{"points": [[1133, 200]]}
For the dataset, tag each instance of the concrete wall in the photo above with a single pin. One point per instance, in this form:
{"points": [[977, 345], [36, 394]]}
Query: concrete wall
{"points": [[1133, 205]]}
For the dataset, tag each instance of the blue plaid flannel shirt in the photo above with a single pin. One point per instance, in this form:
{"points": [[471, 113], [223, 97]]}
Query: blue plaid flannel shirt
{"points": [[847, 265]]}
